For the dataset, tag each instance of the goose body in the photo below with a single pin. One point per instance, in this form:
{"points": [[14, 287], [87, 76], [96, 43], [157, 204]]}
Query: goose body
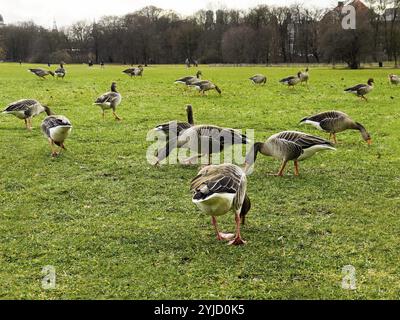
{"points": [[291, 81], [60, 72], [189, 79], [205, 85], [56, 128], [26, 109], [334, 122], [203, 140], [218, 189], [288, 146], [110, 100], [258, 79], [134, 72], [176, 128], [41, 73], [362, 89], [394, 79]]}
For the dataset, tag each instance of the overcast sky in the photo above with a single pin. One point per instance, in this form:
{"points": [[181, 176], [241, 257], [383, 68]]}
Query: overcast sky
{"points": [[65, 12]]}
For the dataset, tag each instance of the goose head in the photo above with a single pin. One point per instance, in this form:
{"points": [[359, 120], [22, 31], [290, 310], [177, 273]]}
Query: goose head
{"points": [[51, 73], [48, 111], [114, 87], [199, 74], [371, 82], [218, 90], [364, 133], [299, 74], [246, 206]]}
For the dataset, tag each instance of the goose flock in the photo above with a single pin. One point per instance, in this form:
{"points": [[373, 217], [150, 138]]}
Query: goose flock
{"points": [[216, 189]]}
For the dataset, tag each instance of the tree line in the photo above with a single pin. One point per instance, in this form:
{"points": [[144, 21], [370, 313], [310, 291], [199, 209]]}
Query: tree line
{"points": [[261, 35]]}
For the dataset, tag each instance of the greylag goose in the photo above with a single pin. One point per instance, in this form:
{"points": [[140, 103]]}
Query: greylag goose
{"points": [[60, 72], [258, 79], [292, 80], [362, 89], [205, 85], [134, 72], [334, 122], [190, 79], [217, 189], [288, 146], [176, 128], [110, 100], [56, 129], [203, 140], [394, 79], [41, 73], [304, 76], [26, 109]]}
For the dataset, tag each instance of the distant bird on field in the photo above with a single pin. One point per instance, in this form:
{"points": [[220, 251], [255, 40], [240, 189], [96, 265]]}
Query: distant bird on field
{"points": [[190, 79], [217, 189], [292, 80], [60, 72], [288, 146], [110, 100], [175, 128], [334, 122], [304, 76], [26, 109], [203, 140], [362, 89], [394, 79], [56, 129], [258, 79], [205, 85], [134, 72], [41, 73]]}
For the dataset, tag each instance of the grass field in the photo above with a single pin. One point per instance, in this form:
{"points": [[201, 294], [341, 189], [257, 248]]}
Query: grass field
{"points": [[115, 227]]}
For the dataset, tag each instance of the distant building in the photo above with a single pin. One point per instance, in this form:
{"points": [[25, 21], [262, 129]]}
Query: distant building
{"points": [[336, 15], [1, 21]]}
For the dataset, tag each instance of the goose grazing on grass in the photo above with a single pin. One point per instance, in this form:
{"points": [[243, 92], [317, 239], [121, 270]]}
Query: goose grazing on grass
{"points": [[203, 140], [26, 109], [134, 72], [60, 72], [205, 85], [362, 89], [334, 122], [41, 73], [258, 79], [217, 189], [304, 76], [288, 146], [110, 100], [190, 79], [292, 80], [175, 128], [394, 79], [56, 129]]}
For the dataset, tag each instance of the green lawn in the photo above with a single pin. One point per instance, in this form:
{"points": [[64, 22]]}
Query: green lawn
{"points": [[114, 227]]}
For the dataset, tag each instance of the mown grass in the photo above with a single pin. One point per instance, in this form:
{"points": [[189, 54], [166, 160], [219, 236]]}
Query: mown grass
{"points": [[115, 227]]}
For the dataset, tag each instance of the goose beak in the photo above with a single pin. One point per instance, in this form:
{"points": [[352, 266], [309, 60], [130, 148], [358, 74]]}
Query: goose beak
{"points": [[369, 141]]}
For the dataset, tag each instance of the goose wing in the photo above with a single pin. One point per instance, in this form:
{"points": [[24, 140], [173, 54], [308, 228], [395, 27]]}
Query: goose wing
{"points": [[285, 80], [302, 139], [217, 179], [107, 98], [174, 127], [21, 105], [356, 88], [224, 136], [54, 121]]}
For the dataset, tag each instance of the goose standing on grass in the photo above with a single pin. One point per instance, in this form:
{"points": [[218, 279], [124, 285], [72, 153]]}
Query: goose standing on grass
{"points": [[60, 72], [176, 128], [205, 85], [217, 189], [362, 89], [334, 122], [110, 100], [292, 80], [41, 73], [190, 79], [203, 140], [288, 146], [56, 129], [26, 109], [394, 79], [304, 76], [134, 72], [258, 79]]}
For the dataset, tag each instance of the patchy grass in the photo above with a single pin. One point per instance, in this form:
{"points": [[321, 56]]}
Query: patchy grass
{"points": [[115, 227]]}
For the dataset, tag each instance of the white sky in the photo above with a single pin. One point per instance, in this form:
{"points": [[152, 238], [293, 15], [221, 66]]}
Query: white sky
{"points": [[66, 12]]}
